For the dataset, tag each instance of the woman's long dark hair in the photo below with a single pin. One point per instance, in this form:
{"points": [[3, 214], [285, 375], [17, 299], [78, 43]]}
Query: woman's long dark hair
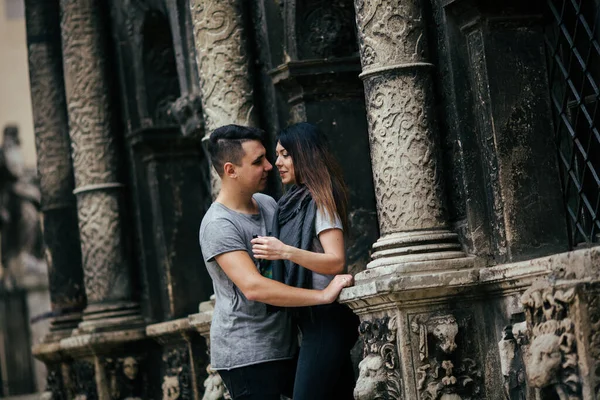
{"points": [[315, 167]]}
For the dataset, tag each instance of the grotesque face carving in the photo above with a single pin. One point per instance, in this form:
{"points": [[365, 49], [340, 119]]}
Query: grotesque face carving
{"points": [[170, 388], [130, 368], [371, 378], [445, 332], [544, 360]]}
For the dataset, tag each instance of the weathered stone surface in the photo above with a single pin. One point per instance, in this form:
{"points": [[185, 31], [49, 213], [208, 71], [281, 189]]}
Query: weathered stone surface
{"points": [[223, 63]]}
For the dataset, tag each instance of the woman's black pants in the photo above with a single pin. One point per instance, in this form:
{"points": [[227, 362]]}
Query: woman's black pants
{"points": [[324, 369]]}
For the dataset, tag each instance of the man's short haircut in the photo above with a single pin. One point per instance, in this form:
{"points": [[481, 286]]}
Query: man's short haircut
{"points": [[225, 144]]}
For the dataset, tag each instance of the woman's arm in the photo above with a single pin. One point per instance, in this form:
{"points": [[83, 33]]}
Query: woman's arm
{"points": [[330, 262]]}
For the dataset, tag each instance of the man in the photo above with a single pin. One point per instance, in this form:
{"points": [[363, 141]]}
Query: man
{"points": [[251, 347]]}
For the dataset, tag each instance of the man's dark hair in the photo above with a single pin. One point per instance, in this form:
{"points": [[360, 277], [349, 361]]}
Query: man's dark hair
{"points": [[225, 144]]}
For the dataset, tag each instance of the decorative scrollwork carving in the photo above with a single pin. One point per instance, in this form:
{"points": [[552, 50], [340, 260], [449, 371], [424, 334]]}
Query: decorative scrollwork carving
{"points": [[390, 32], [223, 63], [408, 188]]}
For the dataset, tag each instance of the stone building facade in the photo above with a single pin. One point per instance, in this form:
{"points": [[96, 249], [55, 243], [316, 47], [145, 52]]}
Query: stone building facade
{"points": [[468, 134]]}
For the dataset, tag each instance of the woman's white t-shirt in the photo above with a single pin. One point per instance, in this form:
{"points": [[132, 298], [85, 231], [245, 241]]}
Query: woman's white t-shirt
{"points": [[323, 223]]}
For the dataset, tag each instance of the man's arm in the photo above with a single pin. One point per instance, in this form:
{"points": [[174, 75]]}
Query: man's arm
{"points": [[241, 270]]}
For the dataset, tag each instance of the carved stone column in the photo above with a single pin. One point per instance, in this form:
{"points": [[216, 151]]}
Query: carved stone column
{"points": [[61, 233], [224, 64], [403, 134], [97, 163]]}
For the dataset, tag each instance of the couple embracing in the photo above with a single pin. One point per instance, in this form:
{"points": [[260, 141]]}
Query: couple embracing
{"points": [[277, 268]]}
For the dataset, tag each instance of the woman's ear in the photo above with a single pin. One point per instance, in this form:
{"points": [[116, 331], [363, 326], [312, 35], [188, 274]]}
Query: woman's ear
{"points": [[230, 170]]}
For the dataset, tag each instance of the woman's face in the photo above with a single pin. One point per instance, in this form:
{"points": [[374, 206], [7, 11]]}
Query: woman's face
{"points": [[285, 165]]}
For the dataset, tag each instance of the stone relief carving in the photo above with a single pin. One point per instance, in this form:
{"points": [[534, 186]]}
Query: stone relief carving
{"points": [[390, 32], [54, 385], [83, 379], [511, 364], [551, 360], [594, 339], [177, 380], [223, 63], [408, 189], [187, 111], [441, 373], [126, 381], [326, 29], [379, 371]]}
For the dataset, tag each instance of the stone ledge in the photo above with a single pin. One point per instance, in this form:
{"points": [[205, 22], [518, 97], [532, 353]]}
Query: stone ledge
{"points": [[392, 284], [86, 344]]}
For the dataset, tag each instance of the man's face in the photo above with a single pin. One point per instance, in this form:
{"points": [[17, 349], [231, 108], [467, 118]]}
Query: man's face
{"points": [[254, 167]]}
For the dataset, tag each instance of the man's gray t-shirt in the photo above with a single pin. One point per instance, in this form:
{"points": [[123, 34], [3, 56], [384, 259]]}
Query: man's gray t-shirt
{"points": [[242, 331]]}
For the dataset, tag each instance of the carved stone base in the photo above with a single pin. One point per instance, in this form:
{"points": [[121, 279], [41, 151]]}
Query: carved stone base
{"points": [[62, 326], [106, 365], [424, 246], [447, 327], [183, 366], [104, 317]]}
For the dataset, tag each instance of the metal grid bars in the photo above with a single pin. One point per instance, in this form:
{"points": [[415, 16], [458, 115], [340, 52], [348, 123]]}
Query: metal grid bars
{"points": [[572, 37]]}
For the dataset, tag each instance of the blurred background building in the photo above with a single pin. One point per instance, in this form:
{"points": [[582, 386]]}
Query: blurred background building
{"points": [[26, 373]]}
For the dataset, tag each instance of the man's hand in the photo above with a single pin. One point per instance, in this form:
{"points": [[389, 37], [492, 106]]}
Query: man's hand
{"points": [[332, 291], [269, 248]]}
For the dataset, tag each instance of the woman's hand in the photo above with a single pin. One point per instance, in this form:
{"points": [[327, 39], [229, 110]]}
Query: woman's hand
{"points": [[332, 291], [269, 248]]}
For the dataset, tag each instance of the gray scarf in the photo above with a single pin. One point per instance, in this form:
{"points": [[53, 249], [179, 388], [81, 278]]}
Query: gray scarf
{"points": [[294, 225]]}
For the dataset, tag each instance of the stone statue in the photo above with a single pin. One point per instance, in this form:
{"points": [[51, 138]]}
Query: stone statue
{"points": [[214, 388], [511, 364], [21, 243]]}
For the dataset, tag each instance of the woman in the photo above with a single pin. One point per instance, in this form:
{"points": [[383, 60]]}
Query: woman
{"points": [[310, 225]]}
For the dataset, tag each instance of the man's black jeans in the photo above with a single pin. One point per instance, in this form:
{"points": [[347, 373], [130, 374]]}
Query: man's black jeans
{"points": [[264, 381]]}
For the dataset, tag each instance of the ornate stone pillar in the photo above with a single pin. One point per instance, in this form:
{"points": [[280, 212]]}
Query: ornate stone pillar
{"points": [[224, 64], [61, 233], [403, 135], [97, 164]]}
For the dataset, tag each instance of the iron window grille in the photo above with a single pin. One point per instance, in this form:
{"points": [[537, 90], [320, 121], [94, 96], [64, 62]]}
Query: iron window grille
{"points": [[573, 54]]}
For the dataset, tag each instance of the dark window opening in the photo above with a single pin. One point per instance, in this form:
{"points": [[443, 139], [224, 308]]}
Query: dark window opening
{"points": [[573, 53]]}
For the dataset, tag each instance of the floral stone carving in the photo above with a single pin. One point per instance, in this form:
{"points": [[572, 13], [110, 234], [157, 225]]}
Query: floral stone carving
{"points": [[379, 371], [443, 372]]}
